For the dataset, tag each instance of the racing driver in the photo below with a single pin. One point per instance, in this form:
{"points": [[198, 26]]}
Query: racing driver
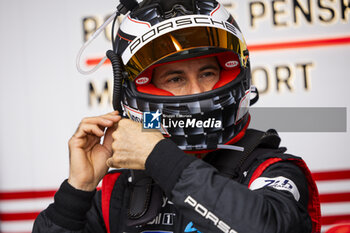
{"points": [[182, 68]]}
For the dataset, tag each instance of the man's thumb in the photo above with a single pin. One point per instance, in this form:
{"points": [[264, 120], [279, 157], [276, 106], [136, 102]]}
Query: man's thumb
{"points": [[108, 139], [110, 162]]}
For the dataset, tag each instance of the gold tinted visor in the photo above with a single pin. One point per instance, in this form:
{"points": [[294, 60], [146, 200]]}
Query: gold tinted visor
{"points": [[183, 40]]}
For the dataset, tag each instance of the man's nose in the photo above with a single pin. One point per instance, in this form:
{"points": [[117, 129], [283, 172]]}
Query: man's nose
{"points": [[196, 87]]}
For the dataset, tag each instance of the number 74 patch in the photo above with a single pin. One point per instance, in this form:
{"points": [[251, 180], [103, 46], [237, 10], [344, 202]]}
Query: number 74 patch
{"points": [[280, 183]]}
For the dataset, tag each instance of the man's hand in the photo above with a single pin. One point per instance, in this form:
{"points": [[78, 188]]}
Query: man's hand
{"points": [[87, 155], [132, 145]]}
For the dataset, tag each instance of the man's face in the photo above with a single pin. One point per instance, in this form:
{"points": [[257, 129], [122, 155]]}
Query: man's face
{"points": [[187, 77]]}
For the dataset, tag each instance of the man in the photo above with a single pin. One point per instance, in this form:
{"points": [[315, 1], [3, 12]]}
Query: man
{"points": [[187, 59]]}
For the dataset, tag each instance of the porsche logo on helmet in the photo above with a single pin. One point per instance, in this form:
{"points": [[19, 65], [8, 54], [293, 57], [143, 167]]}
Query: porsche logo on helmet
{"points": [[177, 23]]}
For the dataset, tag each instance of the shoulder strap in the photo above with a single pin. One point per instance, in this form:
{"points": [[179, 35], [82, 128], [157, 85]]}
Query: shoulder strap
{"points": [[234, 163], [145, 199], [255, 138], [314, 202], [106, 193]]}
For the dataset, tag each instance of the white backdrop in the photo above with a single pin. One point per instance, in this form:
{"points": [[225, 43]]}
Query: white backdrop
{"points": [[43, 97]]}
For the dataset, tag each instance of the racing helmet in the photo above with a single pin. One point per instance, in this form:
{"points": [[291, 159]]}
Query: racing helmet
{"points": [[158, 32]]}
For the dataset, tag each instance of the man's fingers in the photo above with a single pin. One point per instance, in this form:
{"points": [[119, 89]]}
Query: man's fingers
{"points": [[105, 120], [101, 122], [111, 117], [85, 129]]}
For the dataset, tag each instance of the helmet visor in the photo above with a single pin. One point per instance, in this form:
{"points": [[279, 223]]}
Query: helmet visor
{"points": [[183, 40]]}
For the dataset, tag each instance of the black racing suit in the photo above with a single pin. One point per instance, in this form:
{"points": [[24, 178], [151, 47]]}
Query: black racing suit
{"points": [[197, 198]]}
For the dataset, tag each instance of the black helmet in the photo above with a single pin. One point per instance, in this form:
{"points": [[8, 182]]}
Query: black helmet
{"points": [[164, 31]]}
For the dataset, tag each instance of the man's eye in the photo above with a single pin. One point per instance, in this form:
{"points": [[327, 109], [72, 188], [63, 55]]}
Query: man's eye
{"points": [[208, 74], [174, 80]]}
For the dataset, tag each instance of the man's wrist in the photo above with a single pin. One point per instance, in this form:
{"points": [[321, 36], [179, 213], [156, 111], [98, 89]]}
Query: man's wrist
{"points": [[86, 187], [70, 207]]}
